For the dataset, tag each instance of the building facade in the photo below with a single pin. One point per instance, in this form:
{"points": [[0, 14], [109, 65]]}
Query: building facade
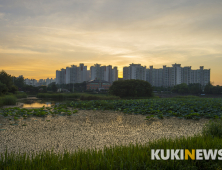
{"points": [[106, 73], [98, 85], [171, 76], [134, 71], [72, 74]]}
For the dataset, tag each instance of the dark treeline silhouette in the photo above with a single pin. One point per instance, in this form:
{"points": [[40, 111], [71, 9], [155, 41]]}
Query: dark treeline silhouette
{"points": [[194, 89], [131, 88]]}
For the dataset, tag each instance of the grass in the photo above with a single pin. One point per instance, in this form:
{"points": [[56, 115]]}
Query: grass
{"points": [[11, 99], [214, 129], [121, 157], [81, 96], [20, 95], [8, 100]]}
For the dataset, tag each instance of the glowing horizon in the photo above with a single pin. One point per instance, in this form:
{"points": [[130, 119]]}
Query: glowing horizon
{"points": [[40, 37]]}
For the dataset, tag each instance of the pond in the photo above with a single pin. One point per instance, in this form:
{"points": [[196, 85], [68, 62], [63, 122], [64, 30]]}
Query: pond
{"points": [[37, 103]]}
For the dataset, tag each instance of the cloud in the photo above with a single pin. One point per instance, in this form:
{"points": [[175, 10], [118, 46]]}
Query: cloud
{"points": [[154, 32]]}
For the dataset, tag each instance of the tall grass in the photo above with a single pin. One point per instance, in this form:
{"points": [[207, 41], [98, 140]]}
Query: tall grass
{"points": [[213, 128], [81, 96], [120, 157], [20, 95], [8, 100]]}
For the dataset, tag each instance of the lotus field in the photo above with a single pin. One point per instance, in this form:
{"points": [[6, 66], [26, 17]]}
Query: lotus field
{"points": [[192, 108], [161, 108]]}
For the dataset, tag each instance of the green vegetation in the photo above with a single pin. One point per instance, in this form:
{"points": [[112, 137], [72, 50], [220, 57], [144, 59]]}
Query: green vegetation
{"points": [[192, 89], [6, 83], [213, 128], [131, 88], [17, 112], [120, 157], [189, 108], [81, 96], [77, 87], [132, 156], [20, 95], [7, 100]]}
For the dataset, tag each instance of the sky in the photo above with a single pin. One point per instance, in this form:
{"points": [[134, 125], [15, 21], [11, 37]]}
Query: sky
{"points": [[39, 37]]}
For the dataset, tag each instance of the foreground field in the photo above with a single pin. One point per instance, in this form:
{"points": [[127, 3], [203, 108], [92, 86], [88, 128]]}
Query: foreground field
{"points": [[89, 129], [94, 124]]}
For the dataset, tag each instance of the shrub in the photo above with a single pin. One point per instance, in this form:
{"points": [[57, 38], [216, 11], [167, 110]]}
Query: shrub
{"points": [[131, 88]]}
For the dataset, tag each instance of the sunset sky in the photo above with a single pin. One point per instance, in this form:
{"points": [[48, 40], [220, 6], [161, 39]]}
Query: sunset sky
{"points": [[39, 37]]}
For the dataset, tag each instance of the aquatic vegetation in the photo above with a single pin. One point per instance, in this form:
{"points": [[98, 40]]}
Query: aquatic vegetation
{"points": [[17, 112], [189, 108]]}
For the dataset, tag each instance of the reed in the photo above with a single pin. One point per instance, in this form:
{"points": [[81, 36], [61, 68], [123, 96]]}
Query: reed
{"points": [[8, 100]]}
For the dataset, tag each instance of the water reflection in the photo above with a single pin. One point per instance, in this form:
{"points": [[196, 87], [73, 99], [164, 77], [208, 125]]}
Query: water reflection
{"points": [[47, 104]]}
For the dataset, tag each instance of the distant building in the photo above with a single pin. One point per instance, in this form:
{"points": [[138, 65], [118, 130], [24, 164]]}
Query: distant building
{"points": [[98, 85], [134, 71], [75, 74], [106, 73], [171, 76], [61, 76]]}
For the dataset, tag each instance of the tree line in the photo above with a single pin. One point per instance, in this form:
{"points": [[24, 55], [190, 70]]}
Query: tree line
{"points": [[194, 88], [12, 84]]}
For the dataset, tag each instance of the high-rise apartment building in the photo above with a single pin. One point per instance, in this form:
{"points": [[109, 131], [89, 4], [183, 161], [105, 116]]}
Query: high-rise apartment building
{"points": [[171, 76], [134, 71], [114, 75], [61, 76], [76, 74], [104, 73]]}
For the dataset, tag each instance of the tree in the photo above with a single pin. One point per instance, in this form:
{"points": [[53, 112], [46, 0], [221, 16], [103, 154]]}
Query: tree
{"points": [[19, 82], [6, 79], [208, 89], [181, 88], [195, 88], [3, 88], [54, 87], [131, 88], [13, 89]]}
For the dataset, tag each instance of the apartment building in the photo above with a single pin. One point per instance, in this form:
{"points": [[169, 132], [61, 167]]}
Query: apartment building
{"points": [[106, 73], [72, 74], [134, 71], [61, 76], [31, 82], [79, 74], [171, 76]]}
